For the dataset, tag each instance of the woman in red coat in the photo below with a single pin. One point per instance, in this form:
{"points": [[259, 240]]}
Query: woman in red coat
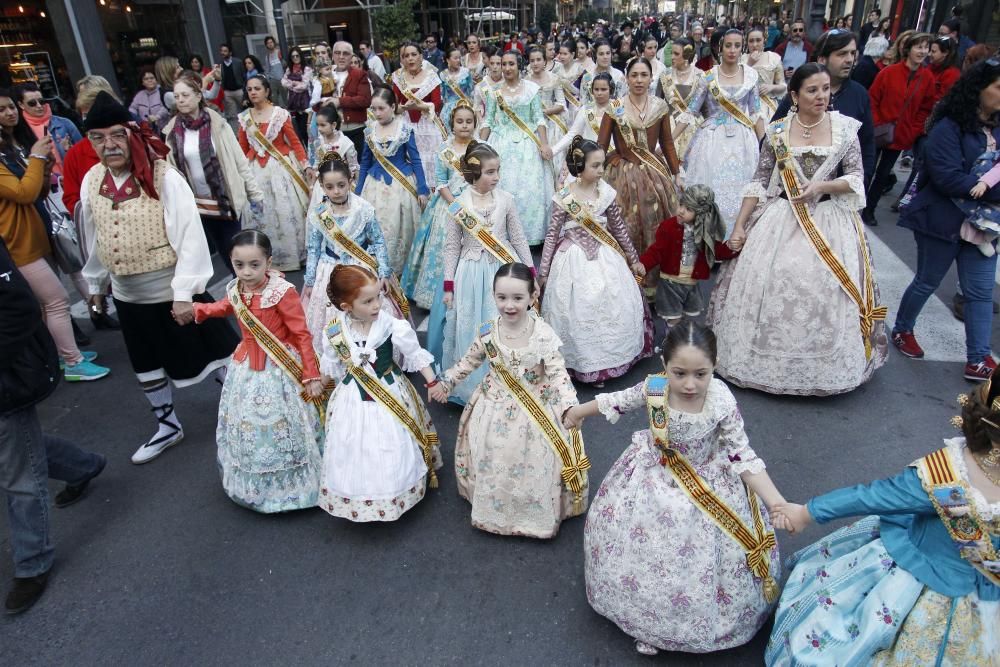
{"points": [[902, 95]]}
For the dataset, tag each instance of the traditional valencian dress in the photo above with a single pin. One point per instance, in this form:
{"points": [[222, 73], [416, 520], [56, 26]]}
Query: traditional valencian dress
{"points": [[591, 299], [513, 121], [619, 86], [477, 243], [454, 87], [679, 94], [724, 150], [429, 129], [568, 79], [476, 69], [391, 178], [789, 321], [918, 583], [276, 157], [381, 447], [656, 562], [645, 186], [552, 95], [506, 461], [770, 71], [269, 437], [352, 238]]}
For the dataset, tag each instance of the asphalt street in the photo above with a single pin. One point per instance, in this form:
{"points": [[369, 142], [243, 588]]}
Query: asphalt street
{"points": [[157, 566]]}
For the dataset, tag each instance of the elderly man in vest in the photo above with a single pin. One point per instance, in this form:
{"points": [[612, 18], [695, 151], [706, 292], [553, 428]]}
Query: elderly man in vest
{"points": [[145, 237]]}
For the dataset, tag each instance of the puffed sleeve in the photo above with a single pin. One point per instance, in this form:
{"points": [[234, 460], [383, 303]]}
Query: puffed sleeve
{"points": [[853, 173], [470, 361], [330, 364], [552, 236], [205, 311], [733, 441], [290, 309], [902, 494], [616, 403], [404, 340]]}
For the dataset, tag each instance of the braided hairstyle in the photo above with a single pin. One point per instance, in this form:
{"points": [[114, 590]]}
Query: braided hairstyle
{"points": [[346, 280], [472, 162], [576, 158], [980, 422]]}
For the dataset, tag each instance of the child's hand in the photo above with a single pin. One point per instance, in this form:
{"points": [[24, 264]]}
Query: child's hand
{"points": [[573, 417], [791, 517], [438, 392], [638, 269], [978, 190], [448, 297], [314, 388], [737, 239]]}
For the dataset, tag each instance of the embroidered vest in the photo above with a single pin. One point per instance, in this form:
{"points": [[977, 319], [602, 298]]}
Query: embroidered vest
{"points": [[131, 236], [383, 366]]}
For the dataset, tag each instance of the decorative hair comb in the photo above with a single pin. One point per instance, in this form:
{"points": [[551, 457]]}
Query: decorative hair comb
{"points": [[331, 156], [474, 161]]}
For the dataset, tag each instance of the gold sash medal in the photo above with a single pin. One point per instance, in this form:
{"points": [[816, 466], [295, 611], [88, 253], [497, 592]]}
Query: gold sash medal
{"points": [[950, 496], [374, 388], [725, 102], [332, 231], [756, 543], [570, 451], [392, 169], [474, 225], [514, 118], [647, 158], [583, 216], [869, 313], [273, 151], [275, 349]]}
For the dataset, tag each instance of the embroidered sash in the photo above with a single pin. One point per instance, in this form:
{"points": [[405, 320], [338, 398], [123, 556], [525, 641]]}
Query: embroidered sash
{"points": [[276, 154], [950, 496], [869, 313], [404, 88], [275, 349], [569, 93], [570, 452], [333, 233], [595, 124], [392, 169], [647, 158], [673, 94], [374, 388], [457, 89], [560, 123], [769, 101], [514, 118], [583, 216], [452, 158], [478, 229], [756, 543], [713, 87]]}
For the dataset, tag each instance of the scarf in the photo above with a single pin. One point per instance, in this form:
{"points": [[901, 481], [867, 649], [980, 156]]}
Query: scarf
{"points": [[209, 160], [38, 126], [709, 228], [146, 148]]}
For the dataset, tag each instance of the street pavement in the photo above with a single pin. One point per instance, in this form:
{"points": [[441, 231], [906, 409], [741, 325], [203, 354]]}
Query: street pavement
{"points": [[156, 566]]}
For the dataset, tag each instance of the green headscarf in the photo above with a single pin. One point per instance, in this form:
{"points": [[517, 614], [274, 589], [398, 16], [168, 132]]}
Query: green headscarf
{"points": [[708, 225]]}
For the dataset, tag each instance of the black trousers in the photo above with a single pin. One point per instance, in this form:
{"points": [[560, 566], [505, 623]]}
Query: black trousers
{"points": [[220, 233], [885, 160], [357, 137]]}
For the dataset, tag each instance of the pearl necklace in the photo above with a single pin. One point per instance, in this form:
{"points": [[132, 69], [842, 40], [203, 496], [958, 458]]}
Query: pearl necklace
{"points": [[518, 335], [807, 129], [729, 76]]}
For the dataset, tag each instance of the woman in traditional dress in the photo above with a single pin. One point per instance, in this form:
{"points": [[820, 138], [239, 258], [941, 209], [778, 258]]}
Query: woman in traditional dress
{"points": [[456, 84], [506, 463], [914, 583], [418, 93], [570, 74], [516, 127], [664, 559], [553, 103], [591, 299], [602, 51], [391, 177], [785, 317], [677, 86], [724, 150], [276, 157], [492, 80], [475, 59], [645, 185], [771, 76]]}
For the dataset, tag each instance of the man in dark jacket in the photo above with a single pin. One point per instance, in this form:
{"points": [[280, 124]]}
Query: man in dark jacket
{"points": [[29, 372]]}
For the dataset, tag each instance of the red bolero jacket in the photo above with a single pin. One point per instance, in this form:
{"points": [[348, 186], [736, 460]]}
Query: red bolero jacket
{"points": [[434, 98], [282, 315], [666, 251]]}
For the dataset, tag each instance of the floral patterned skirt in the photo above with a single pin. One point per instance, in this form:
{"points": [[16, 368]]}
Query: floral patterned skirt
{"points": [[848, 603], [284, 216], [423, 277], [269, 440], [725, 163], [397, 212], [645, 195]]}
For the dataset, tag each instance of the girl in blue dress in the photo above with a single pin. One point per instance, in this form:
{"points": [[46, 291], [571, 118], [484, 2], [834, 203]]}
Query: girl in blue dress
{"points": [[917, 581], [456, 84]]}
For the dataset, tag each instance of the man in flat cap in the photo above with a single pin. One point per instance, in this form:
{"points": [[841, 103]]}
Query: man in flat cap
{"points": [[145, 237]]}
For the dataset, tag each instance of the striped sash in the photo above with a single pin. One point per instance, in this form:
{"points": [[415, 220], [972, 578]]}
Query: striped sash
{"points": [[726, 103], [475, 226], [392, 169], [273, 151]]}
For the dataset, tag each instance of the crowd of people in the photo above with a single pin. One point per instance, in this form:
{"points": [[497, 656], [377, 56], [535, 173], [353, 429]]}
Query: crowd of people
{"points": [[643, 165]]}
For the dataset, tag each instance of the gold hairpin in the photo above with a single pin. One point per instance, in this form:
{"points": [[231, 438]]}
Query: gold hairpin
{"points": [[331, 156], [474, 161]]}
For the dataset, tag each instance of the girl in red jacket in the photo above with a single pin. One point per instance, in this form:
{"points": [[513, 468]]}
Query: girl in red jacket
{"points": [[685, 248]]}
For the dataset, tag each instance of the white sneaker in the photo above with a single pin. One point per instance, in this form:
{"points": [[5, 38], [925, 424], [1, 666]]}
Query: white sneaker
{"points": [[156, 446]]}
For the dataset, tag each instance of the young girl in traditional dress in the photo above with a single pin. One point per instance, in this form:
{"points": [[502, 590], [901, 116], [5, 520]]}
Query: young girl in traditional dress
{"points": [[587, 122], [592, 300], [329, 139], [270, 429], [553, 103], [677, 86], [516, 127], [391, 177], [423, 279], [520, 469], [917, 581], [456, 84], [276, 156], [724, 150], [483, 234], [657, 561], [602, 51], [343, 229], [418, 93], [381, 447]]}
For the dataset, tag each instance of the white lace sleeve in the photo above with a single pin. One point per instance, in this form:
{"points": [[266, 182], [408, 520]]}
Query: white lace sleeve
{"points": [[762, 177], [852, 172], [404, 340], [614, 404], [329, 363], [733, 441]]}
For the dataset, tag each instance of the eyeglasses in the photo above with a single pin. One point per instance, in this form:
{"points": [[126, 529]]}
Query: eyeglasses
{"points": [[98, 139], [34, 103], [798, 30]]}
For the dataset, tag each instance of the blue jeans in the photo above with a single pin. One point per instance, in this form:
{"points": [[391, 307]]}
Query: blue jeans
{"points": [[28, 458], [976, 273]]}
